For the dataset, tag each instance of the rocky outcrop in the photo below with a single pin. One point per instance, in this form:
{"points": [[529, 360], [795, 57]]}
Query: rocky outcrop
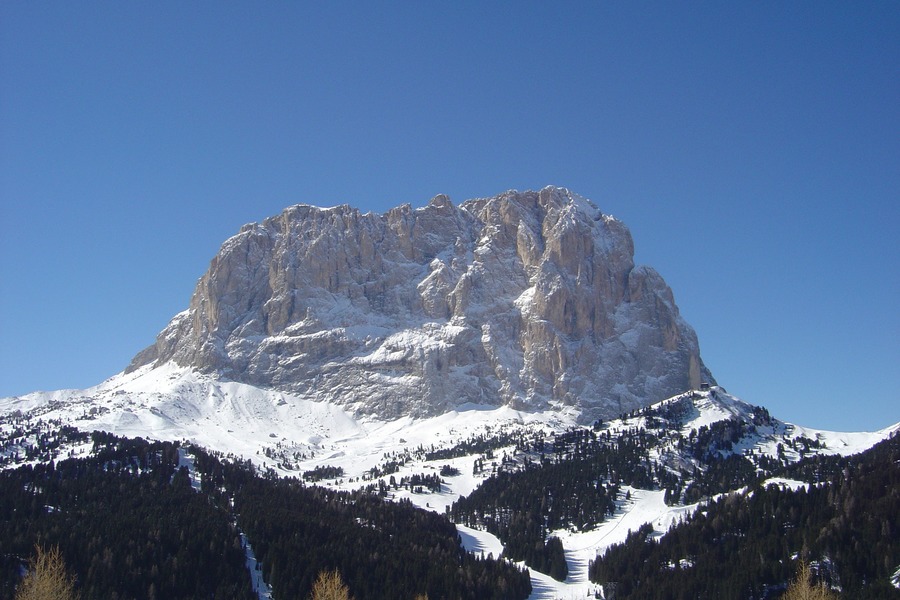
{"points": [[528, 299]]}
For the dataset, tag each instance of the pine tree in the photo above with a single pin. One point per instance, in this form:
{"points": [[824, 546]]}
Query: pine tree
{"points": [[330, 586], [48, 578]]}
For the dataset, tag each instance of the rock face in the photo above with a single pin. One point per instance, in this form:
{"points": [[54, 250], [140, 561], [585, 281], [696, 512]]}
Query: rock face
{"points": [[526, 299]]}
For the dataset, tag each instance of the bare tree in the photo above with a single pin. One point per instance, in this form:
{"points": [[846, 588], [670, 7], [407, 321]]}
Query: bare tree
{"points": [[803, 589], [330, 586], [48, 578]]}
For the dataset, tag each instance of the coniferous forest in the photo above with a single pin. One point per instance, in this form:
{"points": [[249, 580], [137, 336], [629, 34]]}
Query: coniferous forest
{"points": [[383, 549], [741, 546], [129, 525], [846, 523], [134, 519], [575, 480]]}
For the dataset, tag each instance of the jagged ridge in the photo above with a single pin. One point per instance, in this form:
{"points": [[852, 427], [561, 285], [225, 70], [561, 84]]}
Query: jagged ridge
{"points": [[526, 299]]}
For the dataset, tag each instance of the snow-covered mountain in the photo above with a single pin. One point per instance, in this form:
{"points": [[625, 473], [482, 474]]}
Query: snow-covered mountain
{"points": [[435, 340], [529, 300]]}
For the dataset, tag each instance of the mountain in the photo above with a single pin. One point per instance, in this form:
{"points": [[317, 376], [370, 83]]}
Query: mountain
{"points": [[502, 363], [527, 299]]}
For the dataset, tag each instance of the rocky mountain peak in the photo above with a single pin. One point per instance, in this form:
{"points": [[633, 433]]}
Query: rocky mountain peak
{"points": [[529, 299]]}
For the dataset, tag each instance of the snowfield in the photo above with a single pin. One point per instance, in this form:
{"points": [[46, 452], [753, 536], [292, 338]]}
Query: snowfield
{"points": [[291, 435]]}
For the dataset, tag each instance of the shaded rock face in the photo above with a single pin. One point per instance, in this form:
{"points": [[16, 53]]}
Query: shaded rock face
{"points": [[529, 299]]}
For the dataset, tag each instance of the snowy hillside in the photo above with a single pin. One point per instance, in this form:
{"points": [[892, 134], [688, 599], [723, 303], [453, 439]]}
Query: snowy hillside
{"points": [[296, 437]]}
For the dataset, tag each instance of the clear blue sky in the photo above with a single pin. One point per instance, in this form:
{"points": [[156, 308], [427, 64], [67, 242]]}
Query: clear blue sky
{"points": [[753, 149]]}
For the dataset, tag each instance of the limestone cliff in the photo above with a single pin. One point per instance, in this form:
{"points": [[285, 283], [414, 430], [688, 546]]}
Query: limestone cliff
{"points": [[529, 299]]}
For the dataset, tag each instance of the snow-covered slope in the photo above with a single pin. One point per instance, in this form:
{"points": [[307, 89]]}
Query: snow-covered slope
{"points": [[292, 435], [174, 403]]}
